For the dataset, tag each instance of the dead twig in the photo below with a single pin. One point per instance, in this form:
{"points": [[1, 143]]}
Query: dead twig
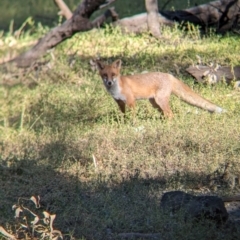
{"points": [[64, 9]]}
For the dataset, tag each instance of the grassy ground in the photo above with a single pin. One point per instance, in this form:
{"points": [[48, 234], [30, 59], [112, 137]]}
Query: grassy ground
{"points": [[55, 122]]}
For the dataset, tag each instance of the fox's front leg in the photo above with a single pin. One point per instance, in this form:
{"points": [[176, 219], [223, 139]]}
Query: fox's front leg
{"points": [[122, 105], [131, 104]]}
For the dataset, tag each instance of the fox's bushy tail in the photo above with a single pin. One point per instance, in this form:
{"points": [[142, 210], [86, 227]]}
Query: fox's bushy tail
{"points": [[188, 95]]}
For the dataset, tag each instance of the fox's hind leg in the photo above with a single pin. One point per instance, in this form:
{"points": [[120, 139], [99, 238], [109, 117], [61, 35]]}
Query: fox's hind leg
{"points": [[155, 105], [162, 100]]}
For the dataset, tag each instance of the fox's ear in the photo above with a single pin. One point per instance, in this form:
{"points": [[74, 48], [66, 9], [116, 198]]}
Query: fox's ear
{"points": [[100, 65], [117, 64]]}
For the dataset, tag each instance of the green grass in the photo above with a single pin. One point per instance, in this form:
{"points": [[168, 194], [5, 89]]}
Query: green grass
{"points": [[55, 121]]}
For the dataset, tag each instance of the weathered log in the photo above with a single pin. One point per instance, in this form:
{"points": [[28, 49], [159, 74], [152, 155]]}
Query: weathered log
{"points": [[77, 23], [214, 74], [138, 23]]}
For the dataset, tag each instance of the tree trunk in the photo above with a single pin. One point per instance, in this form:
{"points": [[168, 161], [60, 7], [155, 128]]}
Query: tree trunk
{"points": [[79, 22], [152, 17]]}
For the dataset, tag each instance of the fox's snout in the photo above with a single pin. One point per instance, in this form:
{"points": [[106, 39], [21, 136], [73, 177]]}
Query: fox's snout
{"points": [[109, 83]]}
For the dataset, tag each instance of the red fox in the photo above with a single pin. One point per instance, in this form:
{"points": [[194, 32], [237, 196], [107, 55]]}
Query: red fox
{"points": [[155, 86]]}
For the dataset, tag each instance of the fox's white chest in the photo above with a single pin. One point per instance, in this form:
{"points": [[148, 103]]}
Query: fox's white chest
{"points": [[115, 91]]}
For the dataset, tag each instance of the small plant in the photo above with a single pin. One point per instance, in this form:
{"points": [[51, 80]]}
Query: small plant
{"points": [[30, 225]]}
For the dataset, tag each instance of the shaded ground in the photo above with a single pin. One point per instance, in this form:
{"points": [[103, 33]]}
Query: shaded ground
{"points": [[233, 210]]}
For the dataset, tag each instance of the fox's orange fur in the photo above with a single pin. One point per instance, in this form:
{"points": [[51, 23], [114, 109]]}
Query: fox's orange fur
{"points": [[155, 86]]}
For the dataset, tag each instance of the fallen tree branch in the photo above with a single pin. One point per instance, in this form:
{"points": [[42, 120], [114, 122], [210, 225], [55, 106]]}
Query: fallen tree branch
{"points": [[79, 22]]}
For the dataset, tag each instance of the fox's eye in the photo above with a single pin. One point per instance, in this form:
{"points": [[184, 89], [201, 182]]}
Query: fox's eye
{"points": [[105, 76], [113, 75]]}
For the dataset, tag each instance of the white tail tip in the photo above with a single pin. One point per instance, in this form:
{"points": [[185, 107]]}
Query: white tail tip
{"points": [[220, 110]]}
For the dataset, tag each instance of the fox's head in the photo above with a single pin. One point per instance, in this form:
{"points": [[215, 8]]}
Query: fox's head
{"points": [[109, 73]]}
